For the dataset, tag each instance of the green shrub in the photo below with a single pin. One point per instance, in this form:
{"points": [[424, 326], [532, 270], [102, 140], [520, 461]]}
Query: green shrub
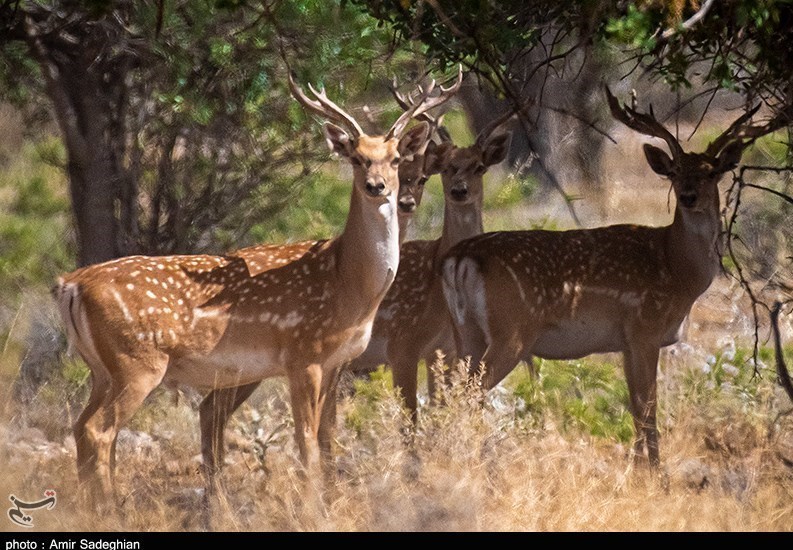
{"points": [[580, 395]]}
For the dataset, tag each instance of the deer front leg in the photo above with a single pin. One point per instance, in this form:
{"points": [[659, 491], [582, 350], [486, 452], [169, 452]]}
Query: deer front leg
{"points": [[641, 367], [437, 374], [405, 372], [327, 421], [305, 387]]}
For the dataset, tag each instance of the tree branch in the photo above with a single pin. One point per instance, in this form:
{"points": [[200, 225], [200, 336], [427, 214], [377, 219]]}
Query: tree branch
{"points": [[689, 23], [64, 109]]}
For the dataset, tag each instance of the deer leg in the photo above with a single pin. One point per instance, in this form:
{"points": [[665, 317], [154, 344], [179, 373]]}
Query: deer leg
{"points": [[214, 413], [327, 421], [503, 354], [305, 387], [84, 441], [100, 430], [470, 343], [531, 363], [405, 372], [403, 356], [641, 367]]}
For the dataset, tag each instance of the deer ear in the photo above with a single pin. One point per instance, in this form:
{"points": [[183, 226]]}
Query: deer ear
{"points": [[435, 157], [414, 139], [658, 160], [338, 140], [496, 148], [730, 156]]}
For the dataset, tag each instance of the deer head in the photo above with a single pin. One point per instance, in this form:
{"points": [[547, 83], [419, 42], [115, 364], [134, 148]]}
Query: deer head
{"points": [[694, 176]]}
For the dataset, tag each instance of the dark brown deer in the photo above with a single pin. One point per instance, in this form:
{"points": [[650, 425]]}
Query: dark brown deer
{"points": [[624, 288]]}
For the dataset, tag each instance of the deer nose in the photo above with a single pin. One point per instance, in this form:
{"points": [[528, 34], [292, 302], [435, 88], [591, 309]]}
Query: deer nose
{"points": [[688, 199], [375, 186], [407, 204], [459, 193]]}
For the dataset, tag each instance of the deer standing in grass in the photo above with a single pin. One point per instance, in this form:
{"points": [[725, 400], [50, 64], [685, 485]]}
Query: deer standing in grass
{"points": [[224, 323], [622, 288], [412, 323], [413, 172]]}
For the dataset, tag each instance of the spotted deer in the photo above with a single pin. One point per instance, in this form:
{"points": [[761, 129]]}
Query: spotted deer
{"points": [[224, 323], [621, 288], [412, 323], [413, 172]]}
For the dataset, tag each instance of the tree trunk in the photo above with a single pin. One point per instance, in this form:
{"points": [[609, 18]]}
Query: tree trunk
{"points": [[93, 189], [87, 87]]}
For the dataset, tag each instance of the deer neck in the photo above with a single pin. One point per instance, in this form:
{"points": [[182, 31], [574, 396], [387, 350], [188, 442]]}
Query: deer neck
{"points": [[460, 222], [404, 227], [368, 252], [693, 248]]}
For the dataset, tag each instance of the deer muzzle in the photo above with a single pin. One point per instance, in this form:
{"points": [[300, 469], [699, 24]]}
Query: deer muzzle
{"points": [[407, 204], [375, 186]]}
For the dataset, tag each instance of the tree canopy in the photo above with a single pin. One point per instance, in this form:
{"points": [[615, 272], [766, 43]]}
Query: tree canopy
{"points": [[737, 45], [180, 134]]}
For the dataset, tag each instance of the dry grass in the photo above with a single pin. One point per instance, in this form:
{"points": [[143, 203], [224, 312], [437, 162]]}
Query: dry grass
{"points": [[726, 463]]}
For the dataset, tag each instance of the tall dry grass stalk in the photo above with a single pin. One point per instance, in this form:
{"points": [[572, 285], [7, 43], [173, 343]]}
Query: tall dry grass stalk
{"points": [[473, 467]]}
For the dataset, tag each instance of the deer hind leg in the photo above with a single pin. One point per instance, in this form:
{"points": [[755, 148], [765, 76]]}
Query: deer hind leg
{"points": [[641, 367], [84, 441], [214, 413], [502, 356], [97, 428], [466, 302]]}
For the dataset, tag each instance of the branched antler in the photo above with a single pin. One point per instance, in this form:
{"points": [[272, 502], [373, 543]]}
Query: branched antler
{"points": [[324, 107], [644, 123], [425, 103]]}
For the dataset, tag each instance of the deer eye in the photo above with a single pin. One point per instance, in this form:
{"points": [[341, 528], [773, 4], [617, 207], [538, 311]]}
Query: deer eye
{"points": [[355, 161], [367, 163], [480, 169], [422, 180], [395, 162]]}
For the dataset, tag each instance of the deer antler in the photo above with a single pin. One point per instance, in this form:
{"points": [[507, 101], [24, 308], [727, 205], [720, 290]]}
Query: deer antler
{"points": [[643, 123], [324, 107], [408, 103], [739, 131], [424, 104]]}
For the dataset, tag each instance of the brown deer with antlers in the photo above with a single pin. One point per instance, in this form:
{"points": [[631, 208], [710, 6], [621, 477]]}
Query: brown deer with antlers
{"points": [[623, 288], [412, 323], [413, 172], [224, 323]]}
